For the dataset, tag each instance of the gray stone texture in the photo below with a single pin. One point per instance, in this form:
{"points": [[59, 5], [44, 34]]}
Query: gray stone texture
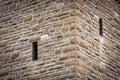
{"points": [[69, 44]]}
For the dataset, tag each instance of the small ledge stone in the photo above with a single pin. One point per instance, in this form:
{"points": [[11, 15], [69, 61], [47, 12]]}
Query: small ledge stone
{"points": [[34, 38]]}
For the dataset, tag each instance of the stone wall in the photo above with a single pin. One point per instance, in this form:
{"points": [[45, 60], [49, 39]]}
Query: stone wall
{"points": [[69, 44], [98, 58]]}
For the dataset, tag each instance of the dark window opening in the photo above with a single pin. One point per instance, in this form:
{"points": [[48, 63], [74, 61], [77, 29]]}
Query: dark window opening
{"points": [[101, 27], [34, 51]]}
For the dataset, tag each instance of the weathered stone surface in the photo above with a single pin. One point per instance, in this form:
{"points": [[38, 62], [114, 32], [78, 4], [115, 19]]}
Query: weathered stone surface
{"points": [[34, 38], [35, 27], [3, 31], [4, 57], [4, 72], [44, 37], [68, 35], [63, 57], [5, 19], [3, 43], [67, 49], [15, 55], [27, 18], [1, 65]]}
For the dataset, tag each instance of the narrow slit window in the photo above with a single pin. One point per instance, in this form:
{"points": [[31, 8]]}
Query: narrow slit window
{"points": [[34, 51], [101, 27]]}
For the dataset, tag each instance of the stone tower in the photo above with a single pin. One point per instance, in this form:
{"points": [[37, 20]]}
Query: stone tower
{"points": [[59, 39]]}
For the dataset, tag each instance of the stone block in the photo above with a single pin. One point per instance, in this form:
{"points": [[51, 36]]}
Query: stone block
{"points": [[4, 72], [82, 42], [35, 27], [34, 38], [56, 74], [67, 32], [4, 57], [41, 19], [58, 24], [5, 19], [3, 43], [3, 31], [4, 8], [43, 70], [44, 37], [57, 67], [67, 49], [70, 62], [12, 6], [58, 51], [27, 18], [1, 65], [96, 17], [63, 56], [15, 55]]}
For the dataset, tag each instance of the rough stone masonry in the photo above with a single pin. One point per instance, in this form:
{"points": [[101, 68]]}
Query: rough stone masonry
{"points": [[76, 39]]}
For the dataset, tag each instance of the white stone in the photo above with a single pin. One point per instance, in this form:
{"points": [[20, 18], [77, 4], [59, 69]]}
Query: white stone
{"points": [[101, 39], [96, 17], [44, 37], [66, 41], [102, 64]]}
